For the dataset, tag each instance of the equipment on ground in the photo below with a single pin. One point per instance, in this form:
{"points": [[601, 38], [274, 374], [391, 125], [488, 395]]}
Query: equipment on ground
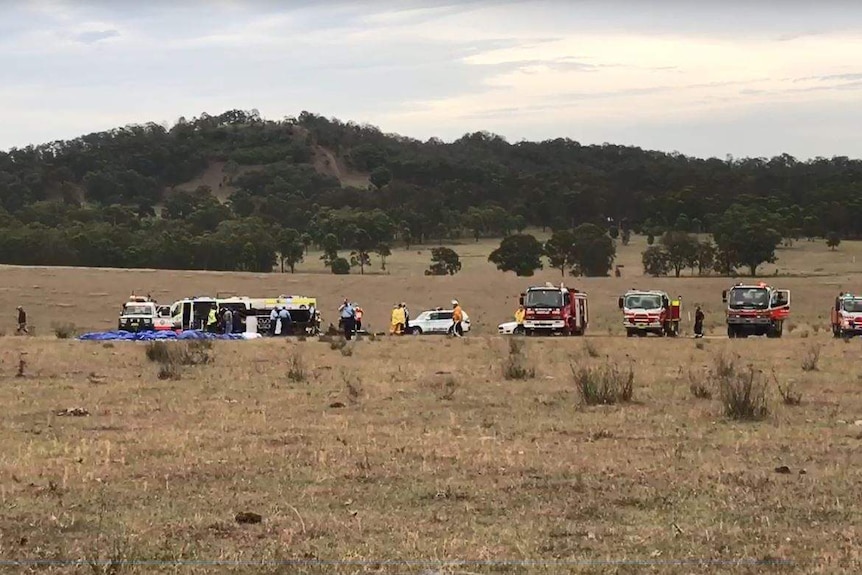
{"points": [[756, 309], [846, 315], [650, 311], [141, 313], [554, 310]]}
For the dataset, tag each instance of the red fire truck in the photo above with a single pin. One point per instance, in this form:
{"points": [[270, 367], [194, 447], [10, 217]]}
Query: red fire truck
{"points": [[650, 311], [756, 309], [554, 310], [846, 315]]}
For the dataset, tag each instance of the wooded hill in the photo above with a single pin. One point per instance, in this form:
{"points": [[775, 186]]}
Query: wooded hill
{"points": [[227, 192]]}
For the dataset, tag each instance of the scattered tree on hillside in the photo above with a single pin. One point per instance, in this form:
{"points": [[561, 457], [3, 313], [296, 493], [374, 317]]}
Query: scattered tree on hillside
{"points": [[290, 249], [593, 252], [655, 261], [362, 246], [380, 177], [384, 251], [519, 253], [340, 266], [681, 250], [444, 261], [833, 239], [560, 249], [746, 237], [330, 249]]}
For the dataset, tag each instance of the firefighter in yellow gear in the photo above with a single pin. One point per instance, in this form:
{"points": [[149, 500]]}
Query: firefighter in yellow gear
{"points": [[212, 320], [519, 316], [397, 324]]}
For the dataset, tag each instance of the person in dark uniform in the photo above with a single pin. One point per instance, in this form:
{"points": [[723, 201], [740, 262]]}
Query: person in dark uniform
{"points": [[698, 322], [22, 321]]}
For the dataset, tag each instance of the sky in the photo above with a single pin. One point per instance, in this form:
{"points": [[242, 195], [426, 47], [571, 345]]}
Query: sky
{"points": [[698, 77]]}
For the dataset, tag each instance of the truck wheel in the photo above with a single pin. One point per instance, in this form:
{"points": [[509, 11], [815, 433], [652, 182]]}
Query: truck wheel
{"points": [[731, 332], [630, 332]]}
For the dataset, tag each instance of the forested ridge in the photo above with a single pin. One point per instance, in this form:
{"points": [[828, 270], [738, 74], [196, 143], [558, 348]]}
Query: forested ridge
{"points": [[122, 198]]}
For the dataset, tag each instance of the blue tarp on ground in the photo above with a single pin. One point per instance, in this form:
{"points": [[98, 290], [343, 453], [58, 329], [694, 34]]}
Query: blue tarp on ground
{"points": [[156, 335]]}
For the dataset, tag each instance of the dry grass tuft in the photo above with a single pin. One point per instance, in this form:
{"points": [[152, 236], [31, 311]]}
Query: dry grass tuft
{"points": [[516, 365], [606, 384], [743, 391], [64, 330], [296, 371], [591, 349], [811, 358]]}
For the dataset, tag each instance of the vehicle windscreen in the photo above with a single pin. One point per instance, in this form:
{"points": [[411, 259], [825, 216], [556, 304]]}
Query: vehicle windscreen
{"points": [[748, 298], [643, 301], [137, 310], [853, 305], [544, 298]]}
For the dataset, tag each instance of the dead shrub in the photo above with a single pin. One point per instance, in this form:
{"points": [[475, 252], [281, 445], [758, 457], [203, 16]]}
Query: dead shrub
{"points": [[336, 343], [742, 390], [591, 349], [64, 330], [699, 344], [811, 358], [606, 384], [353, 387], [173, 355], [515, 366], [788, 392], [699, 386], [296, 371]]}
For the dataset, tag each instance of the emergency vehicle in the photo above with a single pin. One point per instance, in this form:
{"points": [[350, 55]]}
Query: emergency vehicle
{"points": [[846, 316], [650, 311], [554, 310], [192, 313], [756, 309], [144, 314]]}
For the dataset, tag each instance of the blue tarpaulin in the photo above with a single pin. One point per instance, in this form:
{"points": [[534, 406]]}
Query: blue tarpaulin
{"points": [[157, 335]]}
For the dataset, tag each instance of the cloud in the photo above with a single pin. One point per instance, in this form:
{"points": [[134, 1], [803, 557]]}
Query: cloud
{"points": [[94, 36]]}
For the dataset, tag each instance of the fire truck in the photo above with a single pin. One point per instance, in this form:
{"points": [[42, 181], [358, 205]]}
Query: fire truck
{"points": [[756, 309], [554, 310], [846, 315], [650, 311]]}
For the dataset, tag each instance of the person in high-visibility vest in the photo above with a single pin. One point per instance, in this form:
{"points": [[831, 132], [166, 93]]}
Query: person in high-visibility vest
{"points": [[357, 316], [519, 316], [212, 320], [396, 326], [457, 318]]}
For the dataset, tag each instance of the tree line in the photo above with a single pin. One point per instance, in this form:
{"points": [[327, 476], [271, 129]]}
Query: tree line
{"points": [[114, 198]]}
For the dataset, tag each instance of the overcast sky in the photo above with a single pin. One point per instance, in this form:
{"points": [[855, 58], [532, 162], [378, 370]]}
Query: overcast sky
{"points": [[702, 77]]}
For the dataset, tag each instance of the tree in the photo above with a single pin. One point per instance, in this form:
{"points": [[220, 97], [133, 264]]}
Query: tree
{"points": [[290, 249], [560, 249], [340, 266], [627, 236], [519, 253], [746, 236], [594, 251], [362, 246], [384, 251], [833, 239], [655, 261], [306, 241], [681, 250], [705, 257], [330, 249], [650, 239], [380, 177], [444, 261]]}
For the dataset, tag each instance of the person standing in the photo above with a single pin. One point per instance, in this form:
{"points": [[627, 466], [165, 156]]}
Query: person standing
{"points": [[273, 320], [519, 317], [357, 314], [698, 322], [406, 317], [348, 319], [22, 321], [212, 321], [457, 318], [285, 319], [228, 321]]}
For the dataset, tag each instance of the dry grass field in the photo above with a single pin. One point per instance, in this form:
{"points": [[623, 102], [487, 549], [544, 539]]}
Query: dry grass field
{"points": [[423, 455]]}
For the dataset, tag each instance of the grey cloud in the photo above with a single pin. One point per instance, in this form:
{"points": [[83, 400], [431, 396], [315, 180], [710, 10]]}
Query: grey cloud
{"points": [[96, 36]]}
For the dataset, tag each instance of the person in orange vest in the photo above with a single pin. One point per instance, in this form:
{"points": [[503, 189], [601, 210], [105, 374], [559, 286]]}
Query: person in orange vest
{"points": [[358, 316], [457, 318]]}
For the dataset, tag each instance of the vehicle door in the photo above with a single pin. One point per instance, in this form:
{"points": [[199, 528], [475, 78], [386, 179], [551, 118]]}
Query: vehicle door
{"points": [[188, 319], [441, 321], [780, 303]]}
